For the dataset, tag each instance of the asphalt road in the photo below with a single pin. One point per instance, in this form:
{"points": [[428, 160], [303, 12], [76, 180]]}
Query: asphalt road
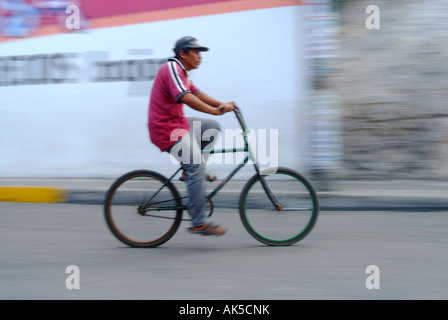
{"points": [[39, 241]]}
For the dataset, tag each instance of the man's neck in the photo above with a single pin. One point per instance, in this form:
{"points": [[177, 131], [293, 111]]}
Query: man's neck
{"points": [[179, 61]]}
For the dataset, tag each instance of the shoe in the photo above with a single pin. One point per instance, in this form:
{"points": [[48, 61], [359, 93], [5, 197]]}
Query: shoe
{"points": [[208, 229], [207, 177]]}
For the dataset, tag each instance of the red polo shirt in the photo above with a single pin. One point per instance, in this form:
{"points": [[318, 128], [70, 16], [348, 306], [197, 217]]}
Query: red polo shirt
{"points": [[166, 120]]}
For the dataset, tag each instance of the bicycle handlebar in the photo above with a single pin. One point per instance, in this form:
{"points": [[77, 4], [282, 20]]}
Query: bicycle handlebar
{"points": [[240, 118], [238, 114], [235, 109]]}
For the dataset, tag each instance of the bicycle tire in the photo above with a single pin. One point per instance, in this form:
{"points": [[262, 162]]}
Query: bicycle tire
{"points": [[130, 217], [281, 227]]}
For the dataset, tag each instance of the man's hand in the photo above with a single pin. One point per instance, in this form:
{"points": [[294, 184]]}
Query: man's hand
{"points": [[225, 107]]}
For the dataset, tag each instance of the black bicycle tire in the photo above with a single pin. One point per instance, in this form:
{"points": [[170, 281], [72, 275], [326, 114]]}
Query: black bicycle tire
{"points": [[118, 234], [299, 236]]}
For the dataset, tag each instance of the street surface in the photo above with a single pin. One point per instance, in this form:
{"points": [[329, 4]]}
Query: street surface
{"points": [[39, 241]]}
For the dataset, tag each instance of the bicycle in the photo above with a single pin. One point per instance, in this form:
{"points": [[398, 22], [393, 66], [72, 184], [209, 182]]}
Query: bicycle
{"points": [[144, 209]]}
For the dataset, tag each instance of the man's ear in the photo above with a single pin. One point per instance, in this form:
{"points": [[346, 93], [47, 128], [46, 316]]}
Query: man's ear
{"points": [[182, 53]]}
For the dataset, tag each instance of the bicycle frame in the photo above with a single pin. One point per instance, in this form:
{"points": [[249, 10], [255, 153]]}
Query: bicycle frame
{"points": [[249, 156]]}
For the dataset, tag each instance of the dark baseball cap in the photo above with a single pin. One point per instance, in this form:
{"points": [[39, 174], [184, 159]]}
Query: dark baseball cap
{"points": [[188, 43]]}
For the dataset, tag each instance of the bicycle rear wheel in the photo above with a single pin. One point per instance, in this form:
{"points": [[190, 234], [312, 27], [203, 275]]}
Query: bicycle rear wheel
{"points": [[143, 209], [285, 226]]}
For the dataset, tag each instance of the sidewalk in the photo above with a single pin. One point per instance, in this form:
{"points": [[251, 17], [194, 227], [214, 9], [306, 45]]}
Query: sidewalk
{"points": [[343, 195]]}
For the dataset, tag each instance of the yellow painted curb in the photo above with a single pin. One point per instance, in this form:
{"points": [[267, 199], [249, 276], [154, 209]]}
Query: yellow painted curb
{"points": [[33, 194]]}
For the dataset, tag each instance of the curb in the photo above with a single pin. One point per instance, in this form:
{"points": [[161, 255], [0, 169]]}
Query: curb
{"points": [[326, 203], [229, 200], [33, 194]]}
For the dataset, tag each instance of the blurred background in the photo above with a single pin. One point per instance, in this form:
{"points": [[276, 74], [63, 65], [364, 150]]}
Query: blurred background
{"points": [[391, 88], [353, 93]]}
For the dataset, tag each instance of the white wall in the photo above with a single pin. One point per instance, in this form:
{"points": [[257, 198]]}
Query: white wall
{"points": [[98, 129]]}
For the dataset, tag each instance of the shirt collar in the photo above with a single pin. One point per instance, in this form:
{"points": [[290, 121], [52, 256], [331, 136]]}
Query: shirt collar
{"points": [[178, 62]]}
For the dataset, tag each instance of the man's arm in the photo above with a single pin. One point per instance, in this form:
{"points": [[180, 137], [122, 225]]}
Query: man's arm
{"points": [[204, 103], [207, 99]]}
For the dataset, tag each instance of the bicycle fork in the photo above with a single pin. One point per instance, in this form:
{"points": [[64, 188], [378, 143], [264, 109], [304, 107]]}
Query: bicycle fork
{"points": [[277, 205], [252, 157]]}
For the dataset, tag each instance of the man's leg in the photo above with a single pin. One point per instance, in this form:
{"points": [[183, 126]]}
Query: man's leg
{"points": [[195, 178], [187, 151], [205, 132], [194, 166]]}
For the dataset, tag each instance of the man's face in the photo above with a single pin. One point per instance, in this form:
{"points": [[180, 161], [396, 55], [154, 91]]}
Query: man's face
{"points": [[191, 60]]}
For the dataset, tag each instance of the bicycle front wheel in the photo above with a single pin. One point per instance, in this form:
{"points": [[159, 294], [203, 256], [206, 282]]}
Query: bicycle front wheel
{"points": [[143, 209], [284, 225]]}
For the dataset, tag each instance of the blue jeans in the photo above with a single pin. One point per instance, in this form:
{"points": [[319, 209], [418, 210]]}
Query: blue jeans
{"points": [[203, 134]]}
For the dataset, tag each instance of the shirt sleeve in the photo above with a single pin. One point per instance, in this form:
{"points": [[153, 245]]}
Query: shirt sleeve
{"points": [[177, 82]]}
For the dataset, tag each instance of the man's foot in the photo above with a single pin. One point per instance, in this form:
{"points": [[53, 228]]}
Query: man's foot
{"points": [[208, 229]]}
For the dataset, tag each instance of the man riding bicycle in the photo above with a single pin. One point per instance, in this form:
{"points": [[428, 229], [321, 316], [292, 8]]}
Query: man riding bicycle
{"points": [[182, 137]]}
